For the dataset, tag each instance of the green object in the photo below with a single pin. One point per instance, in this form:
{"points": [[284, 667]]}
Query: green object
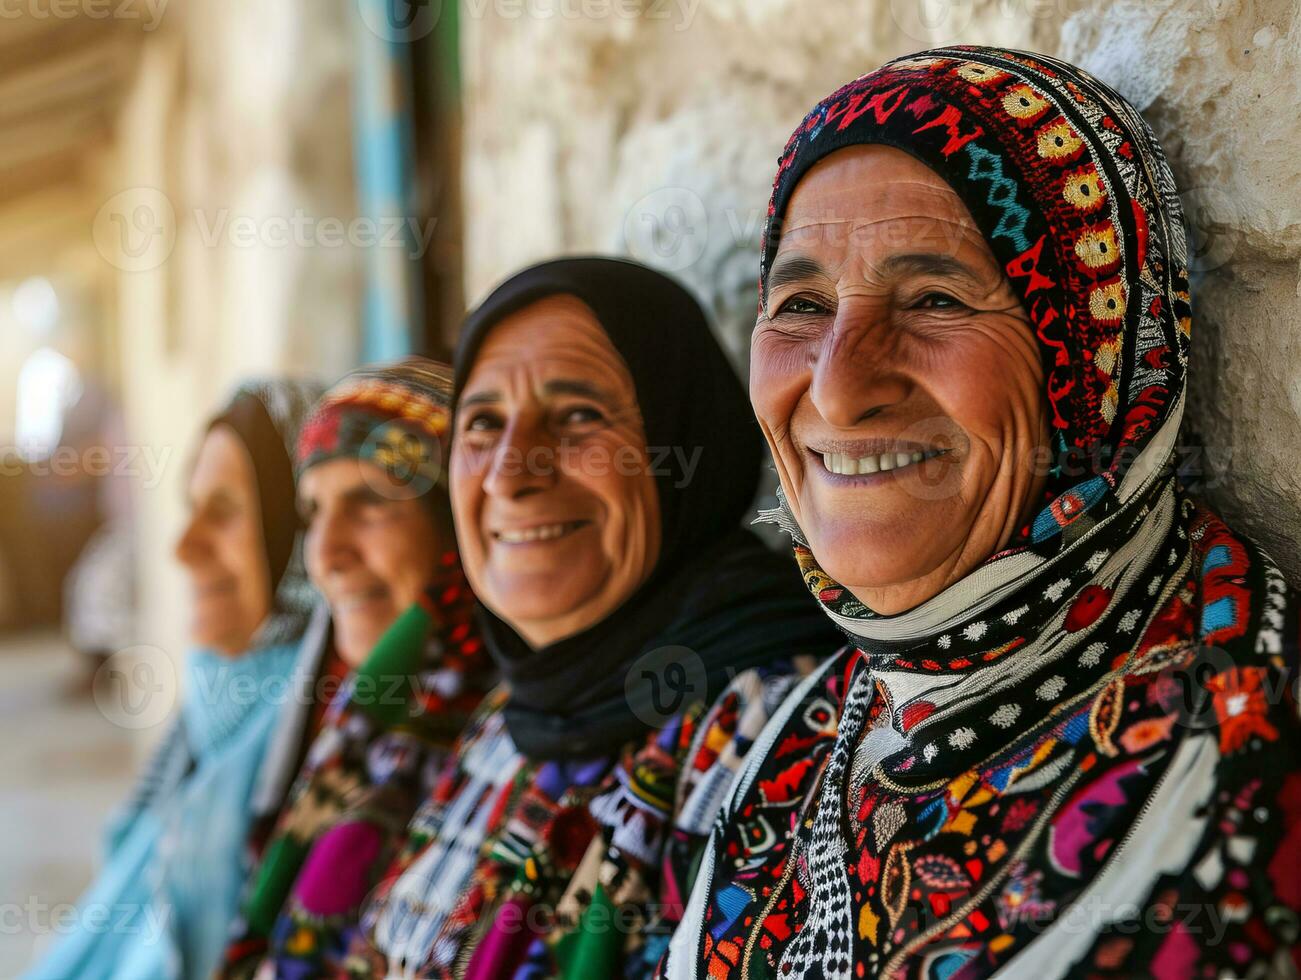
{"points": [[385, 681], [382, 687], [274, 879], [594, 948]]}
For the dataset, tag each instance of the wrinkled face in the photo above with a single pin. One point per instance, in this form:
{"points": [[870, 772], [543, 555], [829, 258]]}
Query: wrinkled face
{"points": [[371, 548], [556, 509], [222, 547], [897, 379]]}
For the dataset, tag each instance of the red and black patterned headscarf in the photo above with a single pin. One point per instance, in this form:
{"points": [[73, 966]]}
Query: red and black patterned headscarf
{"points": [[1072, 192]]}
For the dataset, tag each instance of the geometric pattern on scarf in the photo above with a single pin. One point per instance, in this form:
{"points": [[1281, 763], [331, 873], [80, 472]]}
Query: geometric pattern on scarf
{"points": [[1072, 193], [974, 766], [393, 415]]}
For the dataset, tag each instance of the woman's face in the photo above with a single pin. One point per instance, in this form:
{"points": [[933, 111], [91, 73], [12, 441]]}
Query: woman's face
{"points": [[889, 330], [371, 549], [222, 547], [556, 510]]}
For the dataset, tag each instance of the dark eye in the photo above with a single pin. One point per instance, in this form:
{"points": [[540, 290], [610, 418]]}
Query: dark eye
{"points": [[483, 422], [802, 306], [937, 301], [582, 415]]}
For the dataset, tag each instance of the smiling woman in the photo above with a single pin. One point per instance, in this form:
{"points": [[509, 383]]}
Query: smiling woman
{"points": [[598, 507], [1045, 751], [553, 554], [885, 317], [379, 545], [177, 849]]}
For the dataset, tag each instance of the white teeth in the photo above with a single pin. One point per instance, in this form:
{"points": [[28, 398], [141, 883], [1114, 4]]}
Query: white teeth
{"points": [[544, 532], [845, 465]]}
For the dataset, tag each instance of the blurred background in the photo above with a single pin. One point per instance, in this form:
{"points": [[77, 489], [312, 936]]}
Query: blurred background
{"points": [[195, 191]]}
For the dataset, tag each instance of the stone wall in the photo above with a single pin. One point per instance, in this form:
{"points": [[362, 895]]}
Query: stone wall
{"points": [[652, 127]]}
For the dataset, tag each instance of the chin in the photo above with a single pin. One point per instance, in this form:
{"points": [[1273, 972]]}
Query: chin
{"points": [[870, 554], [355, 641], [207, 636], [533, 597]]}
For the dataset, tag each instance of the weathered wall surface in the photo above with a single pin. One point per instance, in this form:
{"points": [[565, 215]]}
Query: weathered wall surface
{"points": [[651, 127], [220, 218]]}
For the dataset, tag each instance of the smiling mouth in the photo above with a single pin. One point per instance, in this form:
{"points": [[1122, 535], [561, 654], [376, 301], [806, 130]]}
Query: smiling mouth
{"points": [[843, 464], [355, 600], [538, 532], [214, 590]]}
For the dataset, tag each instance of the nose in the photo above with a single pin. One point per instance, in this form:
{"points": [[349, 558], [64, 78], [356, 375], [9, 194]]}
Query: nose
{"points": [[855, 372], [192, 546], [523, 463]]}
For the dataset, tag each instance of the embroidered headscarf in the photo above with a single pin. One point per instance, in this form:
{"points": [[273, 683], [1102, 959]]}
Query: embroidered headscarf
{"points": [[987, 755], [387, 731]]}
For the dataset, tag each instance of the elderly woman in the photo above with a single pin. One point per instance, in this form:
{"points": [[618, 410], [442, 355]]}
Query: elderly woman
{"points": [[1061, 740], [603, 459], [380, 547], [176, 856]]}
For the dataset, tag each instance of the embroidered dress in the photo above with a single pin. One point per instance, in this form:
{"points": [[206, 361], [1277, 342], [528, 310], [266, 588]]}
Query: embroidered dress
{"points": [[565, 869], [396, 715], [499, 874], [1083, 759]]}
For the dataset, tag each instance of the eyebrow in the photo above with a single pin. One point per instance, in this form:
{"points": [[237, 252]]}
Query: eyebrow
{"points": [[793, 268], [801, 268], [924, 263], [353, 495], [559, 386]]}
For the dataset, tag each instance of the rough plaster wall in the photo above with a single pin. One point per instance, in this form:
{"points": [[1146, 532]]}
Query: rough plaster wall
{"points": [[657, 135], [1220, 82], [653, 135], [241, 110]]}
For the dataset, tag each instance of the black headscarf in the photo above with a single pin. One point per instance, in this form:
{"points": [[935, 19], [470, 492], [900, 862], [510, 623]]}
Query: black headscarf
{"points": [[715, 588], [266, 416]]}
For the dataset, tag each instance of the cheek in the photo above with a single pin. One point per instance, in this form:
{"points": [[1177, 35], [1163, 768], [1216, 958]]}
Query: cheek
{"points": [[612, 473], [312, 557], [241, 550], [466, 486], [989, 413], [404, 560], [779, 372]]}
